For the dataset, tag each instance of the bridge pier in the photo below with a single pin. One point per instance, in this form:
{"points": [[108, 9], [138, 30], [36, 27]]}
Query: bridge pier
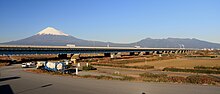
{"points": [[183, 52], [180, 52], [190, 52], [165, 53], [176, 52], [113, 55], [159, 52], [155, 53], [116, 55], [69, 55], [141, 53], [151, 52], [171, 52], [74, 58]]}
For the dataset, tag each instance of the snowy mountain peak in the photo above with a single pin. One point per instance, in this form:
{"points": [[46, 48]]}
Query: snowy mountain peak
{"points": [[51, 31]]}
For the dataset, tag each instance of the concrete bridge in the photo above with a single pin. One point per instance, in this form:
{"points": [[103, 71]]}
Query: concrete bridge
{"points": [[74, 52], [29, 49]]}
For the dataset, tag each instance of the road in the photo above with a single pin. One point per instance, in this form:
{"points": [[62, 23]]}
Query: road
{"points": [[13, 80]]}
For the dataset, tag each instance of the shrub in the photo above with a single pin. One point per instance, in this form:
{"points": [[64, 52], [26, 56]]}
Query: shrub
{"points": [[151, 75], [127, 78], [198, 79], [88, 60], [128, 61], [4, 64], [203, 67], [104, 77], [88, 68], [192, 70], [99, 77], [142, 67], [177, 79], [124, 66]]}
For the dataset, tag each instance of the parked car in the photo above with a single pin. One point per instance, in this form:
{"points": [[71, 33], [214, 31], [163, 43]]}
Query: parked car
{"points": [[24, 65], [28, 65]]}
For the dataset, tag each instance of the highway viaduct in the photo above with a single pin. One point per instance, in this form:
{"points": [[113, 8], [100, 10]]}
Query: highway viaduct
{"points": [[29, 49], [74, 52]]}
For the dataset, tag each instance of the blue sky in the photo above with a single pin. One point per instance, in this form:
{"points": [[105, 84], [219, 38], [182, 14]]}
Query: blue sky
{"points": [[121, 21]]}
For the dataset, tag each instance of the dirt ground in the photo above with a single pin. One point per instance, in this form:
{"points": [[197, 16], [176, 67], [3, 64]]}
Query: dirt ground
{"points": [[124, 70], [180, 63], [159, 64]]}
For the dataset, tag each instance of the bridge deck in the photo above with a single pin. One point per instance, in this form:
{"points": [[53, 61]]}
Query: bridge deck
{"points": [[30, 49]]}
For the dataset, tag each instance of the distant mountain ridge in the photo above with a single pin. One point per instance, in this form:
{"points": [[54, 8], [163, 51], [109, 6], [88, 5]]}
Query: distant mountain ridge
{"points": [[177, 43], [53, 37]]}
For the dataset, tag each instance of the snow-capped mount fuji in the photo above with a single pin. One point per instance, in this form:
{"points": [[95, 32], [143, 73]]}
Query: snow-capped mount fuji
{"points": [[51, 36], [51, 31]]}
